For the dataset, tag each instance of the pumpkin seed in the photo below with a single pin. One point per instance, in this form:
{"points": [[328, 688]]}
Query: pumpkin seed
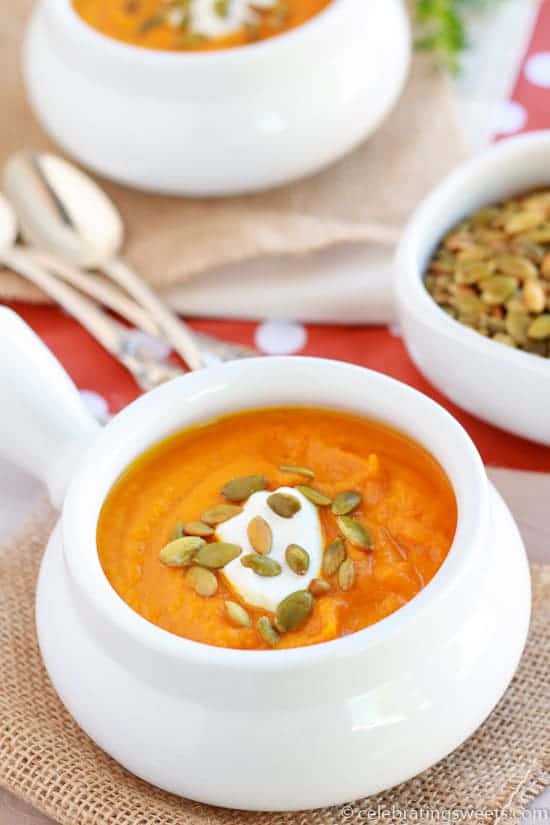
{"points": [[517, 324], [262, 565], [345, 502], [179, 531], [354, 532], [239, 489], [260, 535], [203, 581], [527, 249], [540, 328], [538, 200], [181, 552], [485, 216], [346, 574], [294, 610], [237, 614], [467, 303], [284, 504], [523, 221], [503, 338], [498, 289], [217, 554], [334, 555], [517, 267], [297, 559], [475, 253], [191, 40], [221, 7], [294, 468], [473, 273], [541, 235], [267, 631], [220, 513], [444, 264], [313, 495], [534, 296], [319, 587], [545, 266], [198, 528]]}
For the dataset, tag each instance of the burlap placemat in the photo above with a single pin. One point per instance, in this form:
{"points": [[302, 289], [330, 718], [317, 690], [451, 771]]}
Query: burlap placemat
{"points": [[365, 198], [47, 760]]}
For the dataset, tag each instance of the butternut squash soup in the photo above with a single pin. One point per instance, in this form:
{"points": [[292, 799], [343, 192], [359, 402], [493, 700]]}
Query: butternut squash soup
{"points": [[276, 528], [195, 25]]}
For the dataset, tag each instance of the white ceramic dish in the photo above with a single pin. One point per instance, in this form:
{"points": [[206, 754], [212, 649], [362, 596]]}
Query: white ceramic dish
{"points": [[256, 730], [222, 122], [507, 387]]}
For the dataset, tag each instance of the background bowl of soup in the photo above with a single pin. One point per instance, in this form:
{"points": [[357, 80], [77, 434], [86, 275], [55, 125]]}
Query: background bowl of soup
{"points": [[215, 121], [247, 727]]}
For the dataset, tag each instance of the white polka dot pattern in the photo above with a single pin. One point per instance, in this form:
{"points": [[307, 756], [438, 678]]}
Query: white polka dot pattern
{"points": [[280, 337], [537, 70], [510, 117]]}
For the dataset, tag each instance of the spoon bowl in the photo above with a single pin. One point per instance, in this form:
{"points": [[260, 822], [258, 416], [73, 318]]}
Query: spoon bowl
{"points": [[64, 212]]}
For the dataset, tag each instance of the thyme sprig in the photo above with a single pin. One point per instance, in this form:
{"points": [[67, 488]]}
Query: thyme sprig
{"points": [[442, 29]]}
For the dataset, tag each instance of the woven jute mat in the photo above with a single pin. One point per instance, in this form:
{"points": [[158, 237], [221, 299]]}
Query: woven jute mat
{"points": [[48, 761]]}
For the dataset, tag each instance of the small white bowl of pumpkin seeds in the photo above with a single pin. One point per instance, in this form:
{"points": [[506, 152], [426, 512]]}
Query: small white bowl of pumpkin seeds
{"points": [[472, 286]]}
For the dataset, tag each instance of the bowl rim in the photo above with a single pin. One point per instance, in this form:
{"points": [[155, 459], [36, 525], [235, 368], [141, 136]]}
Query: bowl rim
{"points": [[472, 505], [89, 36], [416, 241]]}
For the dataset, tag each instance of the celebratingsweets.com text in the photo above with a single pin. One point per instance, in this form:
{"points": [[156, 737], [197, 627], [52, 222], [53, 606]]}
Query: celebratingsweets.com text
{"points": [[394, 813]]}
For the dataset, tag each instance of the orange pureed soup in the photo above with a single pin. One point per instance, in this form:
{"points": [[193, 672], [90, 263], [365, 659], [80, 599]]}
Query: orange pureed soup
{"points": [[400, 514], [169, 24]]}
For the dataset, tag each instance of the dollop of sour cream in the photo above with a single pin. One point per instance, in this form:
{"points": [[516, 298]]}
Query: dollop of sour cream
{"points": [[303, 528], [205, 20]]}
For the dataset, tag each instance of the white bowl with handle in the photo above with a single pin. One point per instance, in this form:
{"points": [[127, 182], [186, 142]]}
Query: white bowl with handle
{"points": [[507, 387], [262, 730], [217, 123]]}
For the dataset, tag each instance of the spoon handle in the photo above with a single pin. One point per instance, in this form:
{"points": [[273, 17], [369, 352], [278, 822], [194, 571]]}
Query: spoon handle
{"points": [[90, 316], [103, 291], [116, 339], [176, 331]]}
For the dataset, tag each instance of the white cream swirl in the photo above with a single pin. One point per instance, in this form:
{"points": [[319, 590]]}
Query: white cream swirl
{"points": [[303, 528]]}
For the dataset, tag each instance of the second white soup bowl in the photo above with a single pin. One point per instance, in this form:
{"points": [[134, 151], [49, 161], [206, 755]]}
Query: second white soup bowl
{"points": [[282, 729], [217, 123]]}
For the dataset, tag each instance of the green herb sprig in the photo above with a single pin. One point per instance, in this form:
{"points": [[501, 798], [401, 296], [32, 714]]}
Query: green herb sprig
{"points": [[442, 28]]}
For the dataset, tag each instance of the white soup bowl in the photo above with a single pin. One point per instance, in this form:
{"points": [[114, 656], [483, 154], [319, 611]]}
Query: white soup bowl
{"points": [[217, 123], [262, 730], [507, 387]]}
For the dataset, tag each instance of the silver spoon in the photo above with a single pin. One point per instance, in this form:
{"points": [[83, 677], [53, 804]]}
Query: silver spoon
{"points": [[121, 342], [62, 211]]}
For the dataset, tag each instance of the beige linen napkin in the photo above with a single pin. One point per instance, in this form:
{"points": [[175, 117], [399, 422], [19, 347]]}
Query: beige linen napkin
{"points": [[48, 761], [363, 200]]}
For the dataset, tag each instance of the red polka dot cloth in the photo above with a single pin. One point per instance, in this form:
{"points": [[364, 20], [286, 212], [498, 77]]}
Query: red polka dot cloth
{"points": [[107, 387]]}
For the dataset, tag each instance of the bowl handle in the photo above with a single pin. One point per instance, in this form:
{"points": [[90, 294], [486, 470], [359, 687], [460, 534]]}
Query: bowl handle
{"points": [[44, 425]]}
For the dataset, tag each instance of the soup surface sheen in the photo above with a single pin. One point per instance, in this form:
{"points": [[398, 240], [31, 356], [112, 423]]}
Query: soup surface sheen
{"points": [[195, 25], [408, 506]]}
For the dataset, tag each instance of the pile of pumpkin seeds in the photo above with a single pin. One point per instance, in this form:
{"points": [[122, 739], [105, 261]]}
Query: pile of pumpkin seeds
{"points": [[191, 548], [492, 273]]}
